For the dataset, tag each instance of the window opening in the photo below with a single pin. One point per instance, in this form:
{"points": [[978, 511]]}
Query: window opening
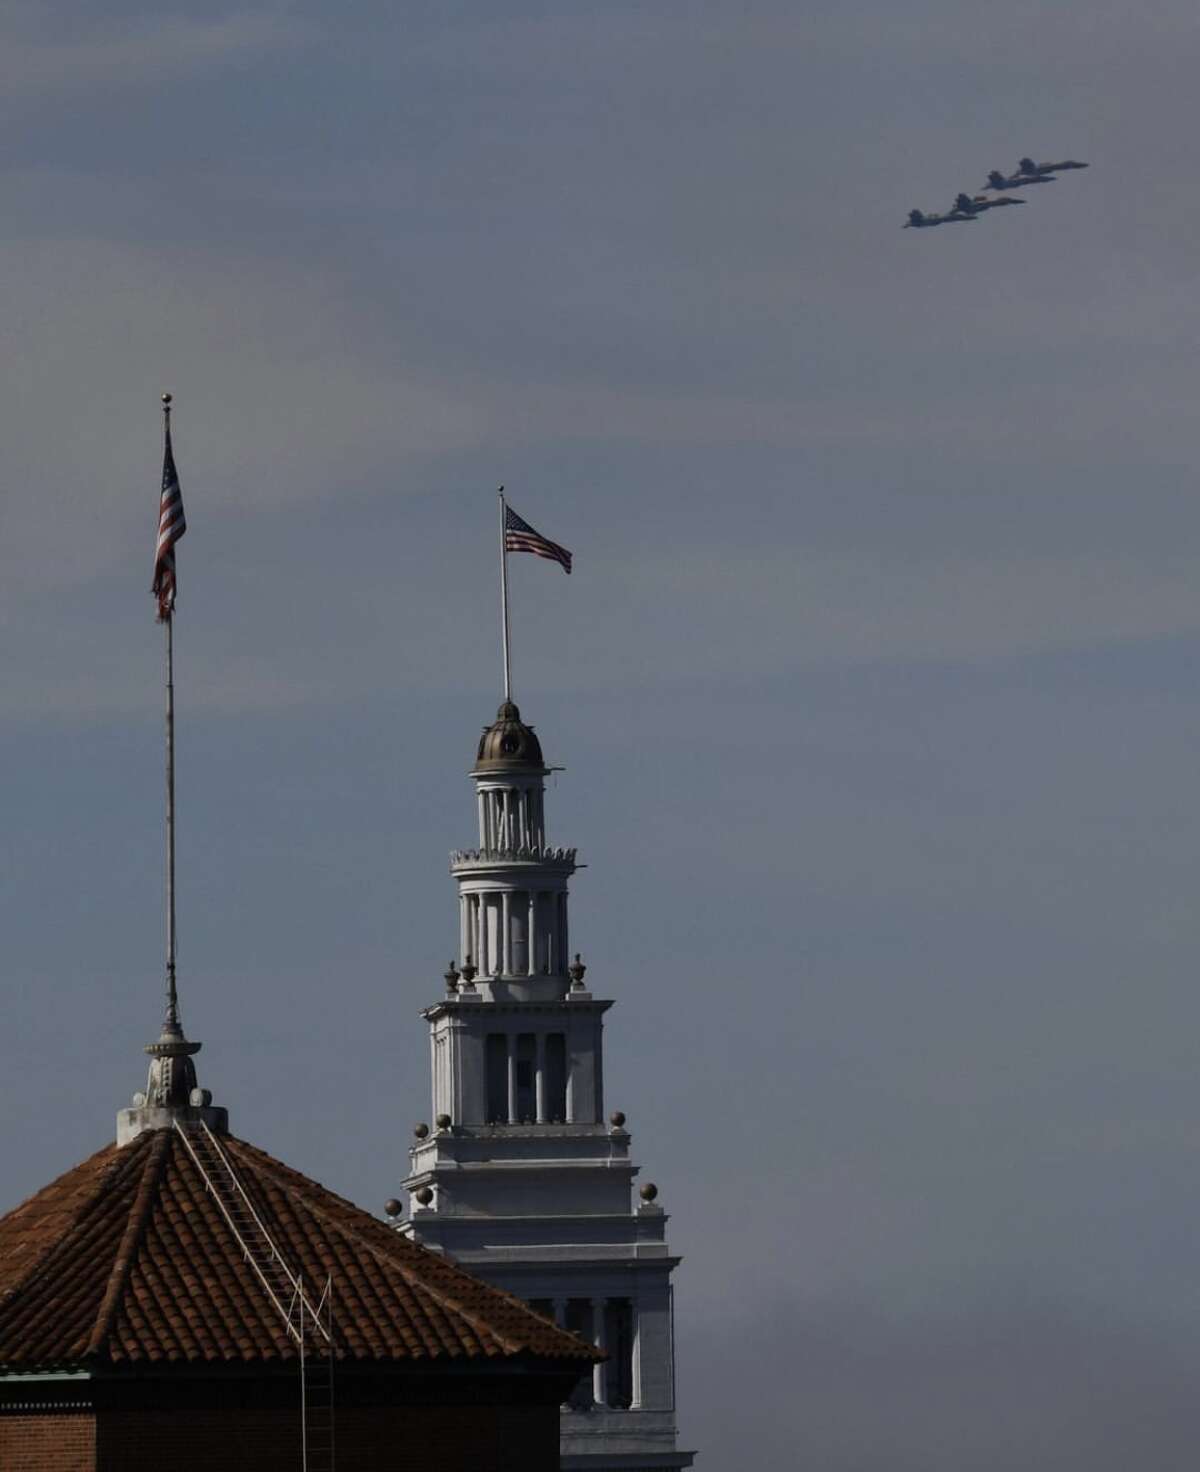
{"points": [[526, 1064], [579, 1321], [497, 1078], [618, 1340], [555, 1086]]}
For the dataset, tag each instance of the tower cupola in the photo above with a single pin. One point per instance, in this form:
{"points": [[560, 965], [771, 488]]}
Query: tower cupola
{"points": [[509, 745], [513, 887]]}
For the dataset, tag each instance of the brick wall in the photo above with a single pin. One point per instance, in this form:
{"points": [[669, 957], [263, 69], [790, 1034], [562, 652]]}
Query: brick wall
{"points": [[400, 1439], [48, 1443], [445, 1423]]}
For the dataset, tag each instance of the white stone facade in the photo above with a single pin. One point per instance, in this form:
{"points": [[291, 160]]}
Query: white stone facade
{"points": [[521, 1179]]}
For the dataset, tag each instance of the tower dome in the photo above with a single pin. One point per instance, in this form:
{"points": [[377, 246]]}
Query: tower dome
{"points": [[508, 744]]}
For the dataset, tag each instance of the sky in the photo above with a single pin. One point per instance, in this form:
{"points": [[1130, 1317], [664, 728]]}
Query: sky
{"points": [[874, 682]]}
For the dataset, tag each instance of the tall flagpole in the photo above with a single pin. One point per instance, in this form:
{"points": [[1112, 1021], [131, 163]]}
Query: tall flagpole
{"points": [[169, 622], [172, 1080], [504, 595]]}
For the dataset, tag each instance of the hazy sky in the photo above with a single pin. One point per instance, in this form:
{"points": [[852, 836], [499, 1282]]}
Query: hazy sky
{"points": [[875, 681]]}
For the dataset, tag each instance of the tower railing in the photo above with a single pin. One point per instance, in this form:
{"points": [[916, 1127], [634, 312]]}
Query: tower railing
{"points": [[543, 853]]}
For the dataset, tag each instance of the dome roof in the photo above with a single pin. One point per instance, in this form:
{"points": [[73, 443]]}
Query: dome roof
{"points": [[509, 744]]}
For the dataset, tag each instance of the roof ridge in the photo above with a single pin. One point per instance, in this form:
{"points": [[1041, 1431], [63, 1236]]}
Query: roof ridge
{"points": [[413, 1280], [131, 1240]]}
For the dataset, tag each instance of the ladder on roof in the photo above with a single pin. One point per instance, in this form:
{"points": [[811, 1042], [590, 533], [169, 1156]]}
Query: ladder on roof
{"points": [[315, 1338], [309, 1325]]}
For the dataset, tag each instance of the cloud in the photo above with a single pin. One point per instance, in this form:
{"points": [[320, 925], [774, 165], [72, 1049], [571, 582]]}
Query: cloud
{"points": [[275, 398], [39, 59], [766, 609]]}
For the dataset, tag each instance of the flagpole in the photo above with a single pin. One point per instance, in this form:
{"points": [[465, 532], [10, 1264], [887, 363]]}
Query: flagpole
{"points": [[169, 621], [504, 595]]}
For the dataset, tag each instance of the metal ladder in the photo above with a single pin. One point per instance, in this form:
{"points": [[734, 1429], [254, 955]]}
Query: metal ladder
{"points": [[309, 1325], [315, 1338]]}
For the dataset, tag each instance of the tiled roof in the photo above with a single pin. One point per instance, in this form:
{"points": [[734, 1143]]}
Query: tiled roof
{"points": [[128, 1258]]}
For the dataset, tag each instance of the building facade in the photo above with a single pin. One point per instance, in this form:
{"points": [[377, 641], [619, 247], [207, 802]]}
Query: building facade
{"points": [[522, 1179]]}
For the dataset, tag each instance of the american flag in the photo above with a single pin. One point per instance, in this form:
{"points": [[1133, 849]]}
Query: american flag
{"points": [[519, 536], [171, 526]]}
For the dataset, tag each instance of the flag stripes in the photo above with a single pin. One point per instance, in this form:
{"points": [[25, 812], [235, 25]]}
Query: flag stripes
{"points": [[519, 536], [171, 526]]}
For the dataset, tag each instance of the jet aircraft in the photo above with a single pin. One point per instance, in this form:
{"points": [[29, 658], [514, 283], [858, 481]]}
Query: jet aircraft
{"points": [[996, 180], [1027, 166], [918, 220], [975, 205]]}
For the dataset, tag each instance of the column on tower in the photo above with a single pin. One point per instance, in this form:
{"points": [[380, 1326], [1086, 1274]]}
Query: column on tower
{"points": [[550, 925], [653, 1349], [635, 1403], [599, 1339], [540, 1077], [520, 935]]}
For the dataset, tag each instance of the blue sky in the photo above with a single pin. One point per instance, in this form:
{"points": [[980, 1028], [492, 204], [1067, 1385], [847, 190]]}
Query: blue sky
{"points": [[874, 682]]}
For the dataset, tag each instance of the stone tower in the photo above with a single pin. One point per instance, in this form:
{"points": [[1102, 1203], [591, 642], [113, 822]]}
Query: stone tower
{"points": [[522, 1179]]}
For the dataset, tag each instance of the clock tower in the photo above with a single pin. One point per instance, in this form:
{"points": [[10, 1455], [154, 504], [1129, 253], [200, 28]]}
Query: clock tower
{"points": [[522, 1178]]}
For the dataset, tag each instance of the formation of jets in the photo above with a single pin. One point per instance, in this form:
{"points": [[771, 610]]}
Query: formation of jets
{"points": [[968, 207]]}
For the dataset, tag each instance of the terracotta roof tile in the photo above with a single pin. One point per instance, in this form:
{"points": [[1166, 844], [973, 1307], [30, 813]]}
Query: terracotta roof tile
{"points": [[129, 1258]]}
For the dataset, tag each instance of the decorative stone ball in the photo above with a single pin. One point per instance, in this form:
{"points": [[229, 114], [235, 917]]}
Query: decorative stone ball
{"points": [[424, 1195], [649, 1191], [200, 1098], [421, 1130], [443, 1121], [392, 1207], [616, 1119], [139, 1100]]}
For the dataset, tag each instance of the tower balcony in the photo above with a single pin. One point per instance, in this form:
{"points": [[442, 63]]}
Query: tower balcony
{"points": [[544, 856]]}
